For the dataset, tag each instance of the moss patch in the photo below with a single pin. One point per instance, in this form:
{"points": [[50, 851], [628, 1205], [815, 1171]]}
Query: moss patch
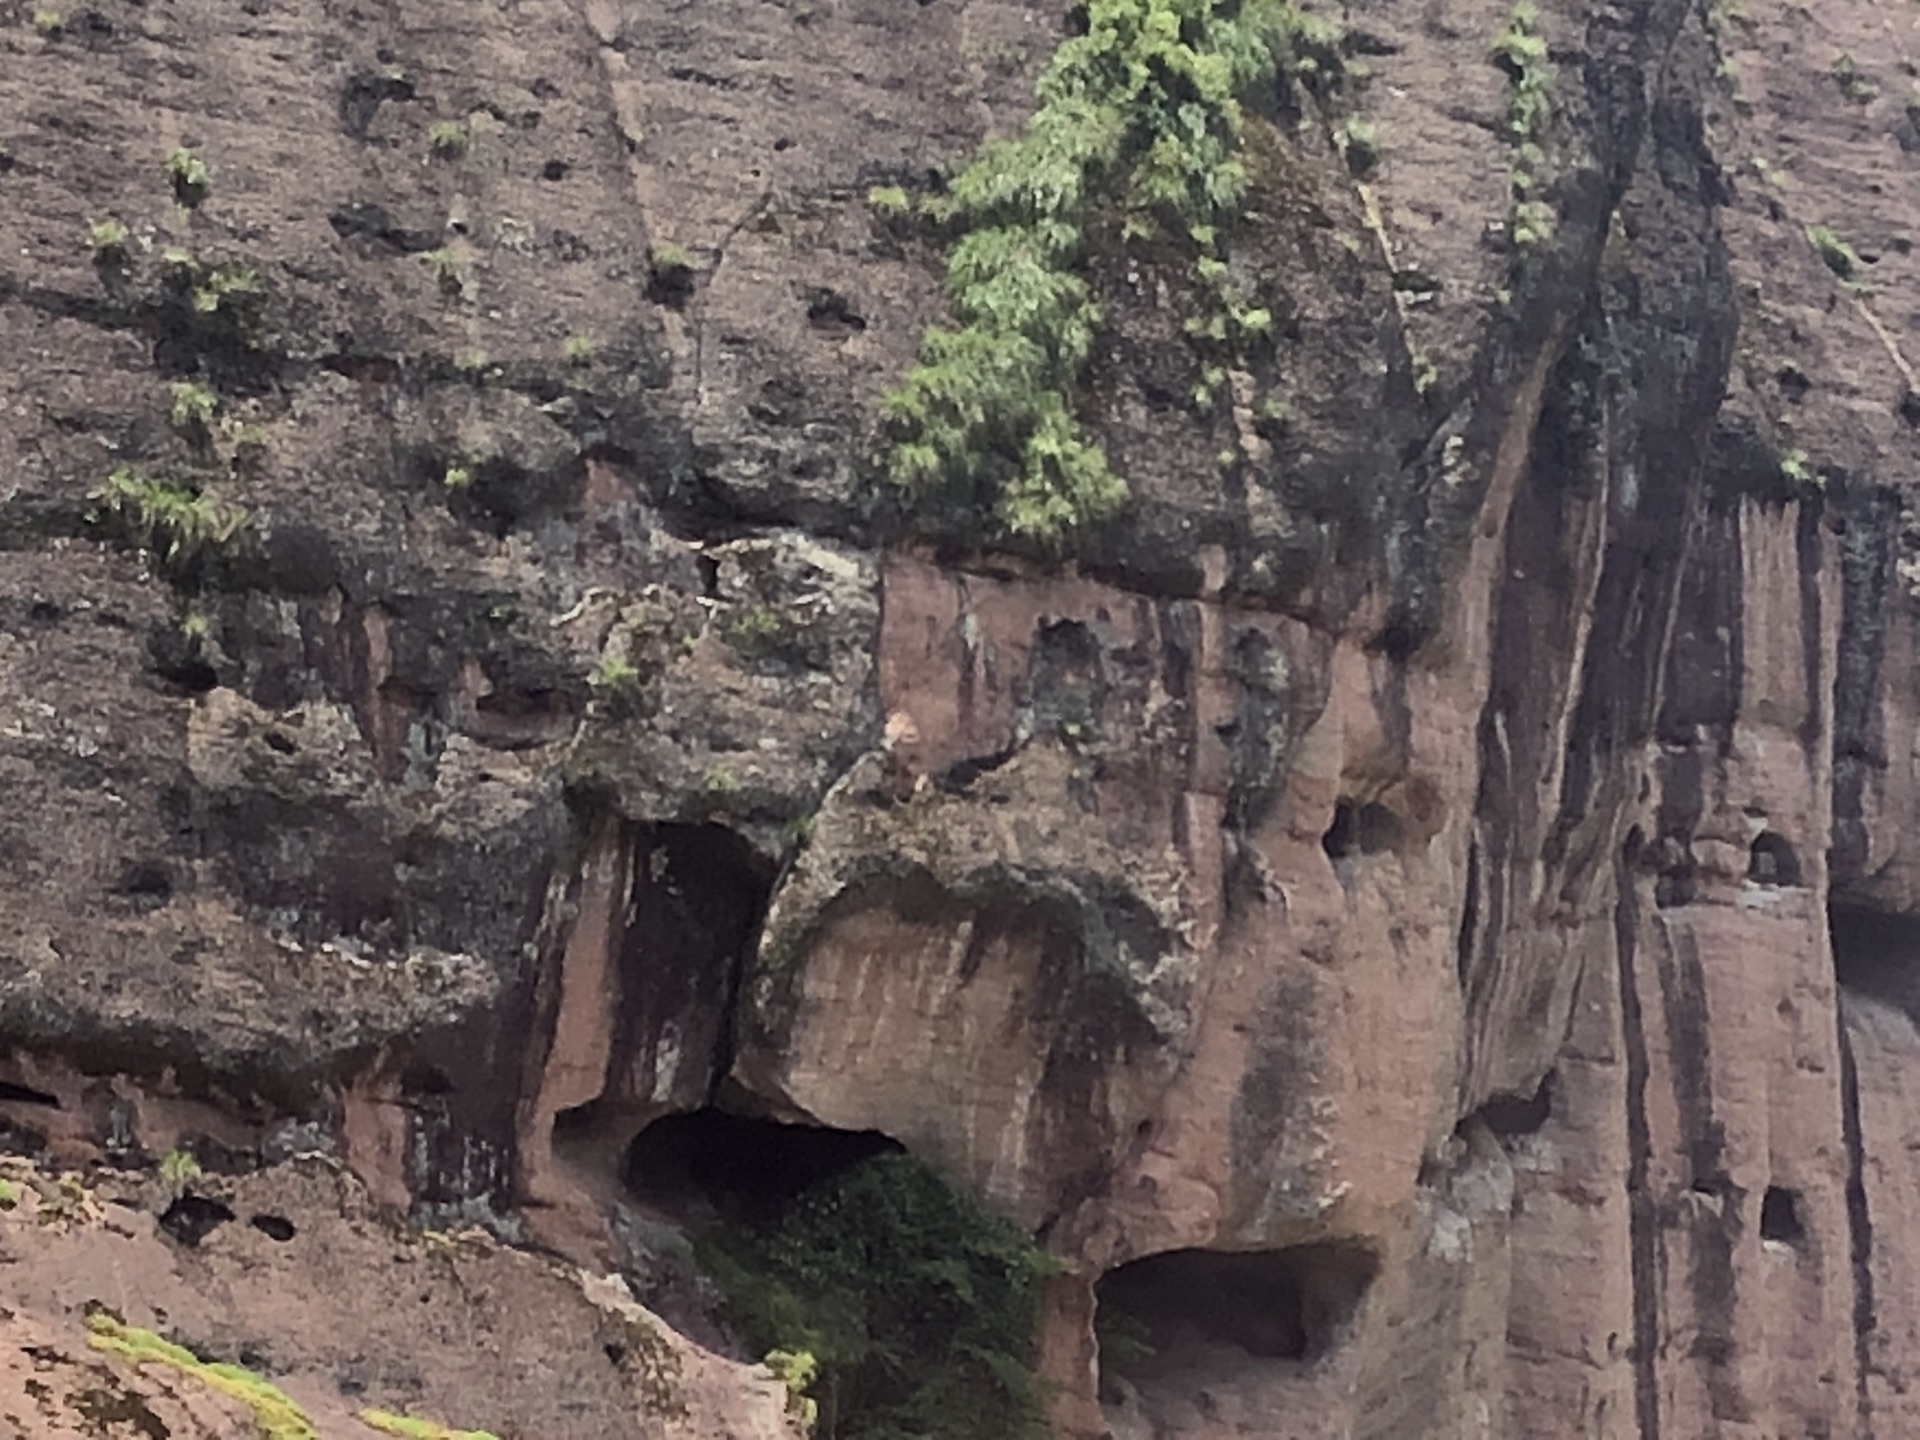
{"points": [[275, 1415]]}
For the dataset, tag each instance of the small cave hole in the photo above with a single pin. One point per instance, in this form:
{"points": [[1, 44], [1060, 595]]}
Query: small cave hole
{"points": [[191, 1218], [1771, 860], [420, 1080], [280, 742], [1343, 834], [831, 313], [1513, 1115], [555, 170], [1780, 1216], [13, 1094], [146, 883], [274, 1227], [706, 1164], [1170, 1317]]}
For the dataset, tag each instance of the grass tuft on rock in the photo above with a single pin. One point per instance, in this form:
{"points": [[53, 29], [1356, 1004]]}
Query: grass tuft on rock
{"points": [[275, 1415]]}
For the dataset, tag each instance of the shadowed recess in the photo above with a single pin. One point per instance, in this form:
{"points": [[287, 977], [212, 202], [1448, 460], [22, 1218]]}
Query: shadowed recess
{"points": [[1171, 1312]]}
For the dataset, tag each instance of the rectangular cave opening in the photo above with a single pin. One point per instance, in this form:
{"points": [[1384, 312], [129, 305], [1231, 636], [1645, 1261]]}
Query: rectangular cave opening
{"points": [[1183, 1318]]}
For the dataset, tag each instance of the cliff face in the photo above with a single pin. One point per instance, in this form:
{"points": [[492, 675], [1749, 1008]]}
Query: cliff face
{"points": [[1418, 914]]}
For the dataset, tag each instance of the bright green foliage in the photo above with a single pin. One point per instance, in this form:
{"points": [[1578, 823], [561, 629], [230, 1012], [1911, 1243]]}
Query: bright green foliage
{"points": [[1360, 143], [49, 22], [448, 139], [1834, 253], [577, 350], [1142, 106], [193, 407], [797, 1371], [9, 1194], [177, 1167], [180, 523], [108, 238], [1521, 51], [275, 1416], [916, 1305], [388, 1423], [614, 675], [191, 180], [226, 295]]}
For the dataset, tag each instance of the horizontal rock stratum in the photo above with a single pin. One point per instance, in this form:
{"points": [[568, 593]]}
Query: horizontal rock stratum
{"points": [[1280, 639]]}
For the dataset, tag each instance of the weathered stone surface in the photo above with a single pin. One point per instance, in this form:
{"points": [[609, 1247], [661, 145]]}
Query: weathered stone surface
{"points": [[1420, 914]]}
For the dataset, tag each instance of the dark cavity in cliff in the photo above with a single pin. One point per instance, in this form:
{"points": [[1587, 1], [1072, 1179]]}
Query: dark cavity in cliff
{"points": [[708, 1164]]}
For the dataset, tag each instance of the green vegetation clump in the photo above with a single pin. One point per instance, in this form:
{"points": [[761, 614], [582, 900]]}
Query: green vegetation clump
{"points": [[897, 1304], [1143, 106], [1360, 144], [613, 673], [1834, 253], [187, 173], [180, 523], [49, 22], [9, 1194], [193, 408], [1521, 51], [1855, 86], [178, 1167], [577, 350], [108, 239], [445, 266], [275, 1415], [448, 139], [388, 1423]]}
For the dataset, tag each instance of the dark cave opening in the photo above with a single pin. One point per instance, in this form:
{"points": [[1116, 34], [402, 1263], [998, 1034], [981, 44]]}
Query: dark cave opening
{"points": [[1163, 1318], [1771, 860], [1369, 829], [1780, 1216], [709, 1164], [1510, 1116], [1876, 954]]}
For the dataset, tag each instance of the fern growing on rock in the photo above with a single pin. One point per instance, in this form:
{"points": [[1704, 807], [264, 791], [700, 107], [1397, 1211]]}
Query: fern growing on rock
{"points": [[1141, 111]]}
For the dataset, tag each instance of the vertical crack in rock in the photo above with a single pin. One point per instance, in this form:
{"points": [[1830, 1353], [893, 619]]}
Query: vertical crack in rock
{"points": [[1859, 1224], [1643, 1222]]}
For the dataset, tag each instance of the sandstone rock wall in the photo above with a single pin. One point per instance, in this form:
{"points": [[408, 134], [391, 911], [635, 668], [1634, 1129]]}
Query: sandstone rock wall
{"points": [[1420, 914]]}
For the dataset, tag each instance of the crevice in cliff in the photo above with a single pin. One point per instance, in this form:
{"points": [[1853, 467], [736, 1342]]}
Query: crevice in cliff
{"points": [[1873, 955], [1643, 1234], [1164, 1319]]}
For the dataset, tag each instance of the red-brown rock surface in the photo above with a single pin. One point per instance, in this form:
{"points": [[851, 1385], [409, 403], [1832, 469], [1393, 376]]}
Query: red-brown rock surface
{"points": [[1421, 914]]}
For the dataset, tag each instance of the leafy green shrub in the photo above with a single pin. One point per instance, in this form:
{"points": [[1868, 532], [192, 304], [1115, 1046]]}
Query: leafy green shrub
{"points": [[109, 240], [915, 1303], [187, 173], [1141, 106], [49, 22], [448, 139], [577, 350], [1360, 144], [193, 408], [178, 1167], [1834, 253], [180, 523]]}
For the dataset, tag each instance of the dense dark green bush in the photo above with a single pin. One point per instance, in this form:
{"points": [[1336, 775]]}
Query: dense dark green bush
{"points": [[916, 1302]]}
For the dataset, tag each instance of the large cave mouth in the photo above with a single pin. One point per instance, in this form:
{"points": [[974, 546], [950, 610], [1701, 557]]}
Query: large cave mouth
{"points": [[1876, 954], [1170, 1317], [709, 1164]]}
